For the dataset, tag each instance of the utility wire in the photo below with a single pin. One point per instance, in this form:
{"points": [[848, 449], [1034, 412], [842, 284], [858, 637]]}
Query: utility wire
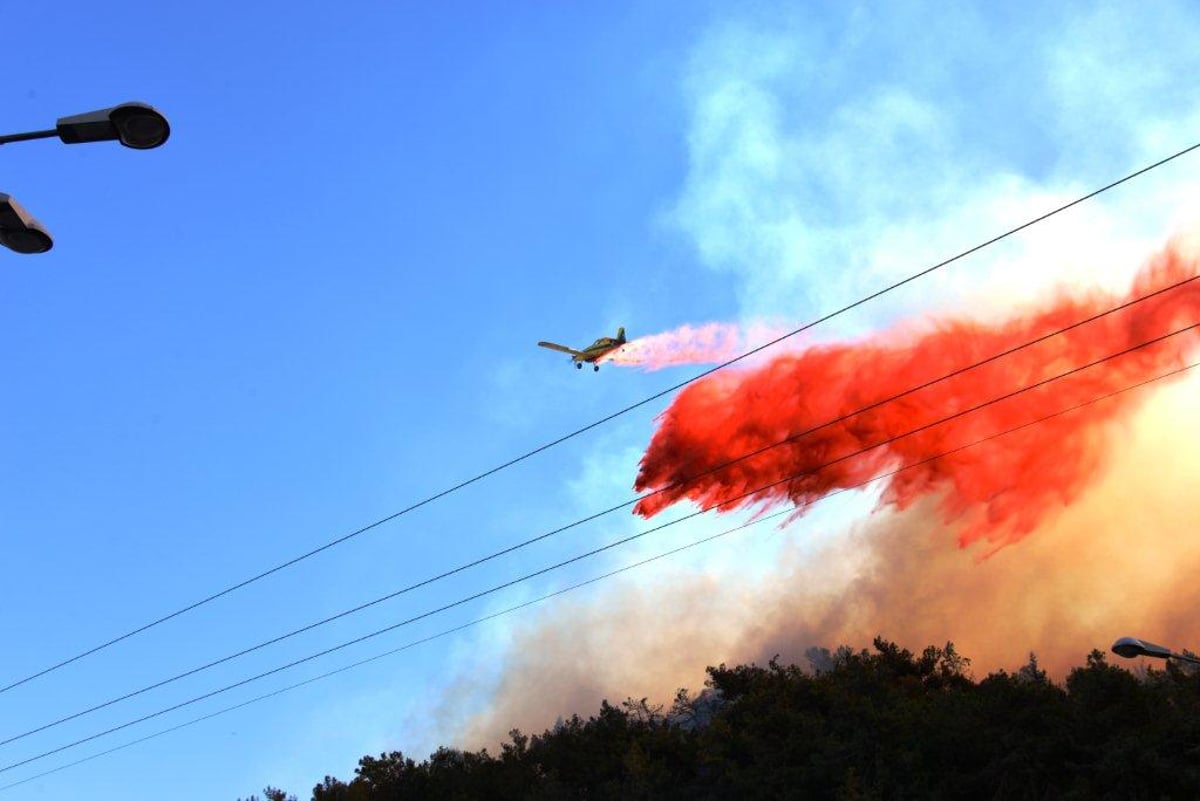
{"points": [[594, 580], [526, 543], [405, 647], [596, 551], [590, 426], [571, 588]]}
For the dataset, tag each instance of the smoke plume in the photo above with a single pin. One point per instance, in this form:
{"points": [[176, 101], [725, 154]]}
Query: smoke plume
{"points": [[1109, 489], [1120, 561], [1001, 490]]}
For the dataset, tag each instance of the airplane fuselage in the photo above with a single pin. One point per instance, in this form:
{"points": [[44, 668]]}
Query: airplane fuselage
{"points": [[593, 352], [600, 347]]}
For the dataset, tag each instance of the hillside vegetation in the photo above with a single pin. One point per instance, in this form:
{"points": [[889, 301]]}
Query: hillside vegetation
{"points": [[881, 724]]}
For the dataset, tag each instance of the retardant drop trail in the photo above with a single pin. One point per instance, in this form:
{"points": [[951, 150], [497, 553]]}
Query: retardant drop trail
{"points": [[710, 343], [1000, 490]]}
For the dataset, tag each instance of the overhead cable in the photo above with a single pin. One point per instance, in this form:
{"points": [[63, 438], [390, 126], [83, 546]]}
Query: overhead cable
{"points": [[461, 485], [595, 551], [510, 549], [510, 610]]}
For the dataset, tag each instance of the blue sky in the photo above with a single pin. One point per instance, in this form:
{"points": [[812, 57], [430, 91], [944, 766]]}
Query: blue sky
{"points": [[318, 302]]}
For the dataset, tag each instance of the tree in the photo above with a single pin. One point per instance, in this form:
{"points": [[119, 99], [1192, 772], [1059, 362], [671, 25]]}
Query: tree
{"points": [[880, 723], [272, 794]]}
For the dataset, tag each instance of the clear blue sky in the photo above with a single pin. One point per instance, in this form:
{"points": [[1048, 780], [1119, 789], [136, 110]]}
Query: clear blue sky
{"points": [[318, 302]]}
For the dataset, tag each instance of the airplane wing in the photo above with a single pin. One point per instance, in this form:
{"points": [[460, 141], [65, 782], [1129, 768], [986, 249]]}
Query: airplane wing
{"points": [[561, 348]]}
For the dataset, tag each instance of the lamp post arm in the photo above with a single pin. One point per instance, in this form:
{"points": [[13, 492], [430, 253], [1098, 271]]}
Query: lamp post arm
{"points": [[22, 137], [1186, 658]]}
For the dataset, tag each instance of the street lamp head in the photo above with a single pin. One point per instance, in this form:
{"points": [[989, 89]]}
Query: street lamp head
{"points": [[135, 125], [1130, 647], [19, 231]]}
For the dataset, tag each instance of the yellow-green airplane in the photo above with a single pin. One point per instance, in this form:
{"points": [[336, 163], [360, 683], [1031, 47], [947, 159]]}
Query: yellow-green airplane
{"points": [[593, 352]]}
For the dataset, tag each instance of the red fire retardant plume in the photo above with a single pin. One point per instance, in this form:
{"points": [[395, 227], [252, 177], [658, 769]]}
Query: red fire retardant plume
{"points": [[999, 490]]}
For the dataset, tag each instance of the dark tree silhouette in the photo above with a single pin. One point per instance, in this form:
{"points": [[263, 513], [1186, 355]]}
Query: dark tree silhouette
{"points": [[884, 723]]}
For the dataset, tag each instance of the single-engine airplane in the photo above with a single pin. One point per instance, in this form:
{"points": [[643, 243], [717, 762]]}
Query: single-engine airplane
{"points": [[593, 352]]}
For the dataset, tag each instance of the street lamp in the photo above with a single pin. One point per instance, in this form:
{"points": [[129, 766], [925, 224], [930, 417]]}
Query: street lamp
{"points": [[1132, 647], [136, 125], [133, 124], [19, 231]]}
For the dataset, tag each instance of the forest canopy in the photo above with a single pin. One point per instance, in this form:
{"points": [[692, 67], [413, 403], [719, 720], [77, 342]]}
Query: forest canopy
{"points": [[883, 723]]}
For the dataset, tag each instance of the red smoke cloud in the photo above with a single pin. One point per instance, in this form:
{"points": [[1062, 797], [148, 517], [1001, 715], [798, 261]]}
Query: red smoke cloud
{"points": [[998, 491], [1074, 586]]}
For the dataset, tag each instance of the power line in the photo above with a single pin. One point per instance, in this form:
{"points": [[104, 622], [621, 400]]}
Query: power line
{"points": [[463, 484], [593, 580], [582, 584], [405, 647], [586, 583], [530, 541], [595, 551]]}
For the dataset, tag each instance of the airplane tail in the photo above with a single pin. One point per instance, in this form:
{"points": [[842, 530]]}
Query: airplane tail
{"points": [[621, 335]]}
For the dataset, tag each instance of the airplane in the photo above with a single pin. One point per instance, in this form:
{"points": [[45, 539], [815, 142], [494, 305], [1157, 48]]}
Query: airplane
{"points": [[593, 352]]}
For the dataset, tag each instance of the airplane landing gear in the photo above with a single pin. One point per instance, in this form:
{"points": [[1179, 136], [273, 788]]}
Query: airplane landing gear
{"points": [[578, 365], [595, 368]]}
